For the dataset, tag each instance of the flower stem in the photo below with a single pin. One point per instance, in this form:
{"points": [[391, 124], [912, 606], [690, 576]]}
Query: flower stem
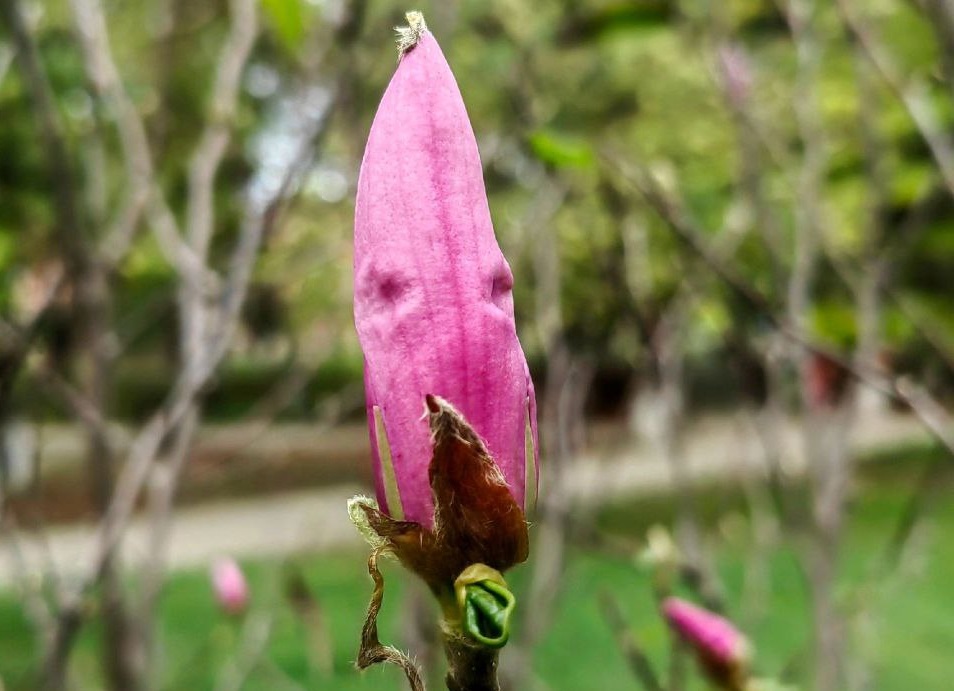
{"points": [[372, 651], [470, 666]]}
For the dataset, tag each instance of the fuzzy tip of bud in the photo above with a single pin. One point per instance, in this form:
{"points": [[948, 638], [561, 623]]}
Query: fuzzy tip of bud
{"points": [[410, 35], [359, 517]]}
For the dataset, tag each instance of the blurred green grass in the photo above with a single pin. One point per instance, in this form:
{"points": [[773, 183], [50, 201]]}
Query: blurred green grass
{"points": [[905, 634]]}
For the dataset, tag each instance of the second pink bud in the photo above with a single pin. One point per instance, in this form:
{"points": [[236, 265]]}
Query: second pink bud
{"points": [[229, 585]]}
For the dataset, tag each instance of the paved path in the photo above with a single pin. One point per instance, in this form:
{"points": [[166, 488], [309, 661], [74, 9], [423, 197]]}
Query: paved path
{"points": [[308, 520], [720, 448], [716, 448]]}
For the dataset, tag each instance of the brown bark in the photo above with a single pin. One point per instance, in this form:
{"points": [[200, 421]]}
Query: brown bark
{"points": [[469, 667], [91, 318]]}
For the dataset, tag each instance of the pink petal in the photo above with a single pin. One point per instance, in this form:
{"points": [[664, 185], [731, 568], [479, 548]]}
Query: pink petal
{"points": [[709, 633], [433, 304], [229, 585]]}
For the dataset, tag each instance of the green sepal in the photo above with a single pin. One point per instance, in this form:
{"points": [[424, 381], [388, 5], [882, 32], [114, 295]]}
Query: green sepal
{"points": [[487, 610]]}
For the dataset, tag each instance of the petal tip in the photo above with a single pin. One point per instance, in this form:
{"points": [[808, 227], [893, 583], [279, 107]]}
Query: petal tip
{"points": [[409, 36]]}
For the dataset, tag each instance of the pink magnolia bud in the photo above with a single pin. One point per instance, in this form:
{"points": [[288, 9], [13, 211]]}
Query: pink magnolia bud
{"points": [[737, 71], [723, 649], [231, 589], [433, 305]]}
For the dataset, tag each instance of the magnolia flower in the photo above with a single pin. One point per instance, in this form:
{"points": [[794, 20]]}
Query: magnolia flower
{"points": [[723, 650], [229, 586], [433, 304], [434, 314]]}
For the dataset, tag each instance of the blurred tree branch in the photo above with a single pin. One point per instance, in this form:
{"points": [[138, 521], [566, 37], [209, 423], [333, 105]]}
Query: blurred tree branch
{"points": [[635, 656], [902, 390], [912, 93], [142, 190]]}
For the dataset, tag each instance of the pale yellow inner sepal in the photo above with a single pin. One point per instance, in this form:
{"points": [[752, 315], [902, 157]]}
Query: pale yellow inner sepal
{"points": [[530, 465], [391, 493]]}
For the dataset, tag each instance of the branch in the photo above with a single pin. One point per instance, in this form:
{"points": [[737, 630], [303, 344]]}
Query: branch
{"points": [[635, 656], [191, 380], [931, 414], [255, 636], [62, 178], [913, 95], [808, 214], [734, 71], [941, 16], [29, 585], [218, 130], [6, 59], [143, 191], [931, 479]]}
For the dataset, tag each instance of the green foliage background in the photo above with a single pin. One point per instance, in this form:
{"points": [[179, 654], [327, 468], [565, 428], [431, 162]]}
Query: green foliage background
{"points": [[551, 87], [558, 92]]}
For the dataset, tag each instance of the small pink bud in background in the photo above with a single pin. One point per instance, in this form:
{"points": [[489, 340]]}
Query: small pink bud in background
{"points": [[737, 72], [433, 305], [229, 585], [723, 650]]}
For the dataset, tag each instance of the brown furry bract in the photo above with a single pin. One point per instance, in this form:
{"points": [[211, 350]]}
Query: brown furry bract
{"points": [[476, 519]]}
